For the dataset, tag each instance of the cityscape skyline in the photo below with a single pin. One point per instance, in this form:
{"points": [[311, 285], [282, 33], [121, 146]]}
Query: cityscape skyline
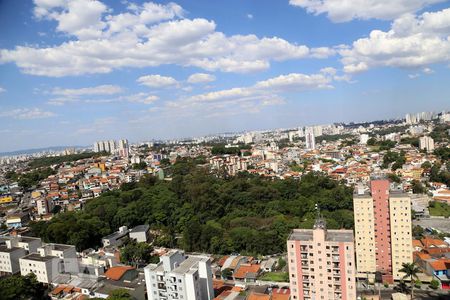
{"points": [[76, 75]]}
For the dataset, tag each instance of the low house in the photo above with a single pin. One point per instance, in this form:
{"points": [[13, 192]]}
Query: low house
{"points": [[117, 238], [247, 272], [140, 233]]}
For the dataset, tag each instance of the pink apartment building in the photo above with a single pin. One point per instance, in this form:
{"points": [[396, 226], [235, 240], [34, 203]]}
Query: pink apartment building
{"points": [[382, 231], [321, 263]]}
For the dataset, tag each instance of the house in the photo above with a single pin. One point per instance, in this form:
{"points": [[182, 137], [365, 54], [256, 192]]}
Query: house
{"points": [[117, 238], [140, 233], [247, 272], [440, 268], [281, 294]]}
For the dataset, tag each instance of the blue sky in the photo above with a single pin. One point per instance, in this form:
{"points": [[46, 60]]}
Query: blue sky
{"points": [[72, 72]]}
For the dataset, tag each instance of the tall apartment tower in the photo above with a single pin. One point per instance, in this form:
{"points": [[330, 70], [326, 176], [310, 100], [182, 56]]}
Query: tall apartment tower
{"points": [[178, 276], [382, 231], [321, 263], [310, 140], [426, 143]]}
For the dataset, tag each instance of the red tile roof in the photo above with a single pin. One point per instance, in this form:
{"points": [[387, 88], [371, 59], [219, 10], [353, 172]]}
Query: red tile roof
{"points": [[115, 273]]}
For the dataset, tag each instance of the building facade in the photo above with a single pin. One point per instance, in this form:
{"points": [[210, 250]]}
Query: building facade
{"points": [[426, 143], [321, 263], [179, 277], [382, 231]]}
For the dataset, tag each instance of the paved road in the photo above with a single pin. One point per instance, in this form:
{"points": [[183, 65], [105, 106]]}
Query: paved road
{"points": [[418, 294]]}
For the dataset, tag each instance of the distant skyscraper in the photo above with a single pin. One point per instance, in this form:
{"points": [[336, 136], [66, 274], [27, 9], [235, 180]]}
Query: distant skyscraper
{"points": [[123, 148], [382, 231], [112, 147], [426, 143], [321, 263], [310, 140]]}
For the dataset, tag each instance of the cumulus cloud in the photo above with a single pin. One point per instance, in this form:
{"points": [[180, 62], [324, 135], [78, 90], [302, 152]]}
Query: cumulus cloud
{"points": [[201, 78], [157, 81], [27, 114], [347, 10], [145, 36], [262, 93], [412, 42]]}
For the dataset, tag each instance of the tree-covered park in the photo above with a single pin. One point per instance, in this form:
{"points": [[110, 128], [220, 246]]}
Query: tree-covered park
{"points": [[199, 211]]}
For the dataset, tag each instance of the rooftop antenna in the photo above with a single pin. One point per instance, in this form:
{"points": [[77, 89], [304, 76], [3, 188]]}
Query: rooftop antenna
{"points": [[320, 221]]}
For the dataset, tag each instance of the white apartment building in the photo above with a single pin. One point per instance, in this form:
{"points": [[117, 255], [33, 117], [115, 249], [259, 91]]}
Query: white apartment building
{"points": [[179, 277], [66, 253], [426, 143], [363, 139], [9, 259], [44, 267], [44, 206], [30, 244], [310, 140]]}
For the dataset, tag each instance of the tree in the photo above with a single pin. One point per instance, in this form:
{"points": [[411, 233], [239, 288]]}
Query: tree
{"points": [[417, 187], [119, 294], [135, 254], [22, 287], [411, 270], [227, 273], [426, 165], [281, 263], [434, 284], [417, 232], [394, 178]]}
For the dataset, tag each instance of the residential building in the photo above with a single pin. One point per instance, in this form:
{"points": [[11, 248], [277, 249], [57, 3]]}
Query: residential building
{"points": [[117, 238], [9, 259], [140, 233], [310, 139], [426, 143], [363, 138], [44, 267], [30, 244], [180, 277], [66, 253], [382, 230], [44, 206], [321, 263]]}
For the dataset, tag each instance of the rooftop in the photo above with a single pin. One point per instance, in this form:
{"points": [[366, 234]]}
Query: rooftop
{"points": [[37, 257], [140, 228], [331, 235], [189, 263], [5, 249]]}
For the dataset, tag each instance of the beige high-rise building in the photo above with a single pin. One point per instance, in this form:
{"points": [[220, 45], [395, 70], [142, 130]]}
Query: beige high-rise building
{"points": [[383, 237], [321, 263], [426, 143]]}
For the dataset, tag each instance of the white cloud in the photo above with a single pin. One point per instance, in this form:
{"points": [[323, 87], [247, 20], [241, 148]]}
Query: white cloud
{"points": [[427, 71], [81, 18], [27, 114], [412, 42], [201, 78], [157, 81], [249, 16], [2, 90], [413, 76], [143, 98], [97, 90], [347, 10], [146, 36], [263, 93]]}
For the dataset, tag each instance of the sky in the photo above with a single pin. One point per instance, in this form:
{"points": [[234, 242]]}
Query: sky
{"points": [[76, 71]]}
